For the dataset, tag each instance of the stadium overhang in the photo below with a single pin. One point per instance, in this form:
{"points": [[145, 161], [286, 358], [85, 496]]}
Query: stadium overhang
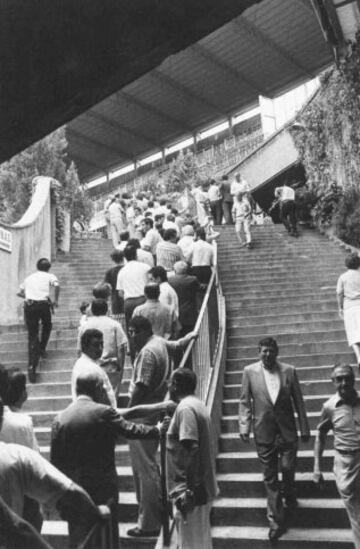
{"points": [[131, 77]]}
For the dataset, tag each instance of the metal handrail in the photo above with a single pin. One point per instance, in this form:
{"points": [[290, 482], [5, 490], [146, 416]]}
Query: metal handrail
{"points": [[103, 531]]}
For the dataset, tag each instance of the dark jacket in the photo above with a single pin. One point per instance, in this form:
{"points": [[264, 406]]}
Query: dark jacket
{"points": [[83, 443], [186, 287]]}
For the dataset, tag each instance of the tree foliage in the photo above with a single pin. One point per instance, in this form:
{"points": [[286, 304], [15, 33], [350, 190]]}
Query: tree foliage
{"points": [[47, 157]]}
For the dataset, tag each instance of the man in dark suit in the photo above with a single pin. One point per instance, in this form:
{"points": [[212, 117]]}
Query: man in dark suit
{"points": [[83, 443], [270, 392], [186, 286]]}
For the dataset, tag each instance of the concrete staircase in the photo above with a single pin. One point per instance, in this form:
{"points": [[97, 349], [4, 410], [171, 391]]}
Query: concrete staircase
{"points": [[284, 287], [78, 273]]}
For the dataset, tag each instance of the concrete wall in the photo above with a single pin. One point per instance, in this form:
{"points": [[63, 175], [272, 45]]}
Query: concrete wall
{"points": [[31, 239], [274, 156]]}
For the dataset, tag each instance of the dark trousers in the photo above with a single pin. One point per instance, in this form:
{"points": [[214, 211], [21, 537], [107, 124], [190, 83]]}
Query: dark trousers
{"points": [[226, 208], [288, 215], [270, 456], [216, 211], [130, 305], [202, 273], [79, 530], [34, 313]]}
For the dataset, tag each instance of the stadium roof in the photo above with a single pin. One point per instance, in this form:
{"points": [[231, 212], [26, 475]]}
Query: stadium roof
{"points": [[119, 61]]}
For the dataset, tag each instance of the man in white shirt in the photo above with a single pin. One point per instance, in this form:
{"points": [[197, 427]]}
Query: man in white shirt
{"points": [[152, 236], [239, 185], [215, 201], [113, 356], [186, 242], [131, 282], [117, 215], [202, 257], [92, 346], [168, 296], [38, 307], [286, 197], [141, 255], [270, 393]]}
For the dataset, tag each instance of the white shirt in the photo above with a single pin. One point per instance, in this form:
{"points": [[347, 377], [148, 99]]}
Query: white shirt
{"points": [[132, 279], [169, 297], [18, 428], [85, 365], [213, 193], [37, 285], [287, 193], [145, 257], [186, 243], [239, 187], [115, 211], [151, 240], [24, 472], [272, 381], [203, 254], [113, 335]]}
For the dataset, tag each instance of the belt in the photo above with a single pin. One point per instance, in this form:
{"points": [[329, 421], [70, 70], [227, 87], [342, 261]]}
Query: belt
{"points": [[348, 452], [33, 301]]}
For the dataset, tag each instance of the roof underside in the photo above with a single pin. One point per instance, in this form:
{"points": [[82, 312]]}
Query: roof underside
{"points": [[269, 47]]}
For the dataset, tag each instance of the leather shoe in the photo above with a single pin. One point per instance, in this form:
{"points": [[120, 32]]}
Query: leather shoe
{"points": [[137, 532], [276, 532], [32, 374]]}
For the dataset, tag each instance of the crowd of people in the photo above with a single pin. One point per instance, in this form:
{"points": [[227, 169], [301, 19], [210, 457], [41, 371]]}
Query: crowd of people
{"points": [[146, 307]]}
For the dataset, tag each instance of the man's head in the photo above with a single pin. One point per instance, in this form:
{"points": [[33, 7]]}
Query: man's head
{"points": [[90, 385], [124, 236], [146, 224], [99, 307], [130, 253], [43, 265], [200, 234], [188, 230], [102, 290], [344, 380], [180, 268], [152, 291], [352, 261], [158, 274], [140, 331], [224, 178], [117, 256], [238, 177], [92, 343], [134, 242], [268, 352], [4, 382], [16, 393], [170, 235], [182, 383]]}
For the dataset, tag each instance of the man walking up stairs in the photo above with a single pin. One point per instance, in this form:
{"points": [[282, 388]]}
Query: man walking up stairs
{"points": [[284, 288]]}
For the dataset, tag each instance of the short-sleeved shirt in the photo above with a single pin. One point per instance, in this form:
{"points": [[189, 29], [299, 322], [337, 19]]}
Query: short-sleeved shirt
{"points": [[24, 472], [348, 285], [133, 278], [287, 193], [344, 420], [163, 320], [239, 187], [186, 244], [241, 209], [113, 334], [167, 254], [37, 285], [151, 240], [151, 369], [145, 257], [191, 421], [169, 297]]}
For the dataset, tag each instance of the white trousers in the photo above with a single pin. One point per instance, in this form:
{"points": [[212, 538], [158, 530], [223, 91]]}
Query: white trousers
{"points": [[195, 531], [347, 475]]}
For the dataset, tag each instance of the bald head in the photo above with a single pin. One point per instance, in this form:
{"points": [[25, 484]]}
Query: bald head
{"points": [[180, 267], [89, 384]]}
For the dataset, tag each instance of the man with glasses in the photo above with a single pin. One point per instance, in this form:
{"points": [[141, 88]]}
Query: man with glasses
{"points": [[341, 413]]}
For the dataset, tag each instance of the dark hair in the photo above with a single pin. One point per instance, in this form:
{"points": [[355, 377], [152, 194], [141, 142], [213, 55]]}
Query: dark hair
{"points": [[174, 211], [101, 290], [344, 367], [17, 386], [140, 324], [162, 201], [83, 306], [200, 233], [185, 380], [99, 307], [43, 265], [159, 272], [134, 242], [352, 261], [4, 382], [152, 290], [87, 384], [130, 253], [169, 234], [224, 178], [158, 217], [148, 221], [147, 215], [87, 336], [124, 236], [269, 342], [170, 217], [150, 204], [117, 256]]}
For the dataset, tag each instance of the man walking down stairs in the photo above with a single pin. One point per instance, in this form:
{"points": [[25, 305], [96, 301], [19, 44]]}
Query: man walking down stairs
{"points": [[283, 288]]}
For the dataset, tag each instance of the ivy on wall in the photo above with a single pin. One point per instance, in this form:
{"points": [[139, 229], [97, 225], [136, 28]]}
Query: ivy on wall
{"points": [[328, 139]]}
